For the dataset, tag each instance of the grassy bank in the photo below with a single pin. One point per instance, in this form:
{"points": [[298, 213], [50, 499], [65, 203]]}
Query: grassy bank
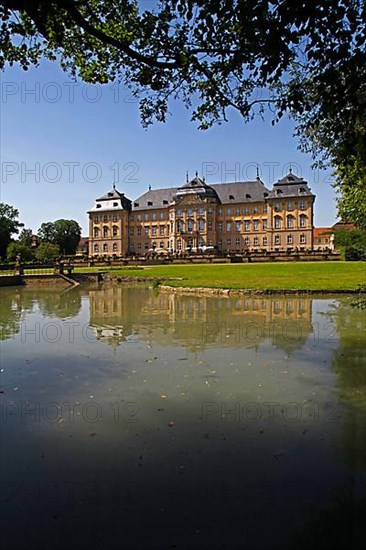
{"points": [[275, 276]]}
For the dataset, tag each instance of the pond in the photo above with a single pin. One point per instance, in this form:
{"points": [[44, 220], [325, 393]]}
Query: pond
{"points": [[157, 420]]}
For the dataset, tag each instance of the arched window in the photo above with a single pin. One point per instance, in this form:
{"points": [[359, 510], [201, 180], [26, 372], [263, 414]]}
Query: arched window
{"points": [[114, 247], [105, 231], [96, 248], [96, 232], [290, 221], [302, 220], [105, 247], [277, 222], [115, 231]]}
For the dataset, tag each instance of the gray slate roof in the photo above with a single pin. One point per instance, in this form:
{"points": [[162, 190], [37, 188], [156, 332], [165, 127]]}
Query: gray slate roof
{"points": [[290, 186], [238, 190]]}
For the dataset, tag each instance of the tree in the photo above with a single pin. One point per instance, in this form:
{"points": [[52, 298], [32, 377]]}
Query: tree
{"points": [[9, 225], [285, 56], [19, 250], [47, 251], [25, 237], [352, 243], [64, 233]]}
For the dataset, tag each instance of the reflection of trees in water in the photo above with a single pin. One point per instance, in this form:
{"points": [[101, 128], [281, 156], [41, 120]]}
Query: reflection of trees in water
{"points": [[15, 301], [341, 525], [62, 304], [12, 304], [349, 362]]}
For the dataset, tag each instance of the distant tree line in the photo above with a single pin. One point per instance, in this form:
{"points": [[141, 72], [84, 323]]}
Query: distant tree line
{"points": [[54, 239]]}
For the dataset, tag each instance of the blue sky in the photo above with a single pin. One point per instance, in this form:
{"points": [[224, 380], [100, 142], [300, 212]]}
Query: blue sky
{"points": [[63, 144]]}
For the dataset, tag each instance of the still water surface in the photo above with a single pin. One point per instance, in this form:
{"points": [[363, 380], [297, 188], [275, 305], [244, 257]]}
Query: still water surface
{"points": [[135, 420]]}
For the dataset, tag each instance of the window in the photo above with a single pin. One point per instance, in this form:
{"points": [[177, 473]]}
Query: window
{"points": [[246, 241], [146, 230], [247, 225], [290, 222], [190, 212], [265, 241], [290, 205], [149, 203], [139, 217], [247, 196], [302, 204], [161, 216], [237, 211], [237, 241], [265, 209], [132, 231], [179, 212], [132, 217], [231, 197], [105, 231], [302, 239], [247, 210], [115, 231], [114, 247], [136, 204], [96, 248], [165, 202], [289, 239], [277, 239], [139, 231], [228, 226], [302, 220], [237, 226], [219, 211], [255, 210], [139, 247], [228, 211], [179, 226], [201, 211], [228, 242], [256, 225], [277, 223], [277, 207], [161, 244], [210, 211], [179, 244], [154, 231], [201, 225], [99, 205], [162, 230], [264, 223], [209, 224], [255, 241], [105, 247], [114, 217], [153, 216], [146, 217], [190, 226], [219, 242], [105, 218], [219, 226], [96, 219], [96, 232]]}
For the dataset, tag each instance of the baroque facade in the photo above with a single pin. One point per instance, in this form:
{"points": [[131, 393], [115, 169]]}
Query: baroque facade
{"points": [[226, 217]]}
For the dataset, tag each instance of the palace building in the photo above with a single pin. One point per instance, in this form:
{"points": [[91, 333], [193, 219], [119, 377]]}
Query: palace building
{"points": [[223, 217]]}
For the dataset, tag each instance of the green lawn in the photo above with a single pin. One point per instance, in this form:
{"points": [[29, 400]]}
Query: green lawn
{"points": [[272, 276]]}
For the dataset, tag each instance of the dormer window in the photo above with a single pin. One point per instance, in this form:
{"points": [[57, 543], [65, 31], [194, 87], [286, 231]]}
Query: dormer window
{"points": [[301, 190], [231, 197], [110, 194], [279, 192], [290, 178], [149, 203], [99, 205], [265, 194], [115, 204], [136, 204], [247, 196], [165, 202]]}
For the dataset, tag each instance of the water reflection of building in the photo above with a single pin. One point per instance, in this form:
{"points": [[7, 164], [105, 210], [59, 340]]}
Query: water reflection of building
{"points": [[196, 322]]}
